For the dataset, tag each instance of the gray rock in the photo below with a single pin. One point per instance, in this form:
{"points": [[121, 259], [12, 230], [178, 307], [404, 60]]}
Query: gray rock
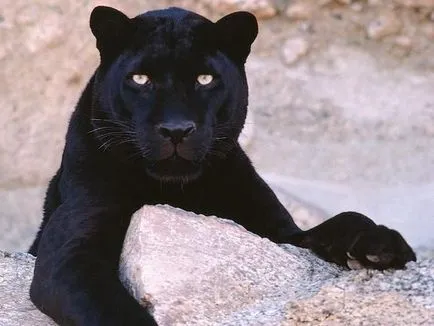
{"points": [[294, 49], [16, 309], [301, 10], [196, 270], [404, 297], [260, 8], [212, 272], [385, 25], [416, 3]]}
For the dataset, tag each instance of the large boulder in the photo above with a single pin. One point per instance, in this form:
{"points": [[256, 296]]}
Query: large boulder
{"points": [[201, 270], [197, 270], [191, 269]]}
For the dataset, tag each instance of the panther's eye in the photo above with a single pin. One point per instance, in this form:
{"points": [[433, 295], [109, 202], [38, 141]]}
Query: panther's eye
{"points": [[140, 79], [205, 79]]}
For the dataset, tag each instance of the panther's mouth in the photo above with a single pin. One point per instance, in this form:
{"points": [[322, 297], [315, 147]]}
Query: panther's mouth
{"points": [[173, 152], [174, 169]]}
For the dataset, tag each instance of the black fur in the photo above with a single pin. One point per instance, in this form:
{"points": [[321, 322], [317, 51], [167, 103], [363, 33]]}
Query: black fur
{"points": [[173, 141]]}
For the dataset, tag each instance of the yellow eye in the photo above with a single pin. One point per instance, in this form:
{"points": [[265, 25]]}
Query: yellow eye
{"points": [[140, 79], [205, 79]]}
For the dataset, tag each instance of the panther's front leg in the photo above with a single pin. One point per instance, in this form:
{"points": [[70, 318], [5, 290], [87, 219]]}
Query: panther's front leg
{"points": [[351, 239], [76, 274], [348, 239]]}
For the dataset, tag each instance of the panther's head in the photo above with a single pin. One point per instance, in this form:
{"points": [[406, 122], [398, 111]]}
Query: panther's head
{"points": [[171, 89]]}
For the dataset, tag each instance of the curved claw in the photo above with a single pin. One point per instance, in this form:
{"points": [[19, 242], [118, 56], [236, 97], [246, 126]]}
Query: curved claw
{"points": [[350, 256], [373, 258], [354, 264]]}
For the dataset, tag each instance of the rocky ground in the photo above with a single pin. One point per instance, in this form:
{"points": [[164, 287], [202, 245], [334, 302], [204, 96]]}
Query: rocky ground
{"points": [[237, 279], [341, 95]]}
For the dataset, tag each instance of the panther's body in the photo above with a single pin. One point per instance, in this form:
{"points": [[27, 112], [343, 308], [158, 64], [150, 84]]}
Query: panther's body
{"points": [[158, 123]]}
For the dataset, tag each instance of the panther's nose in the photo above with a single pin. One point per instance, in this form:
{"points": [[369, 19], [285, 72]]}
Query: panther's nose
{"points": [[177, 132]]}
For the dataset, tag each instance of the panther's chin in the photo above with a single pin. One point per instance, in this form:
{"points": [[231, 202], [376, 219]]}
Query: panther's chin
{"points": [[174, 170]]}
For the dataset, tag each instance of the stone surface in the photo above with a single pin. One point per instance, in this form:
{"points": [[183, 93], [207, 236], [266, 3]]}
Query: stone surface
{"points": [[416, 3], [16, 309], [198, 257], [216, 273], [385, 25], [195, 270], [428, 30], [371, 298], [325, 2], [294, 49], [300, 10], [357, 6], [403, 42], [260, 8]]}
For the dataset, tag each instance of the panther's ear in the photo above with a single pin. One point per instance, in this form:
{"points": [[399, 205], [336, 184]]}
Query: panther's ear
{"points": [[112, 29], [236, 33]]}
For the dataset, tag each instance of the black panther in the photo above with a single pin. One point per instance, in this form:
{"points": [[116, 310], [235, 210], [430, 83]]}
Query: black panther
{"points": [[158, 123]]}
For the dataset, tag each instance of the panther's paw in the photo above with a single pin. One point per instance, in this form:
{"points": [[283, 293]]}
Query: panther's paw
{"points": [[353, 240], [379, 248]]}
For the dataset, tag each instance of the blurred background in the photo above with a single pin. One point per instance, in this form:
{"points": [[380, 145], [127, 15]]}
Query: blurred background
{"points": [[342, 104]]}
